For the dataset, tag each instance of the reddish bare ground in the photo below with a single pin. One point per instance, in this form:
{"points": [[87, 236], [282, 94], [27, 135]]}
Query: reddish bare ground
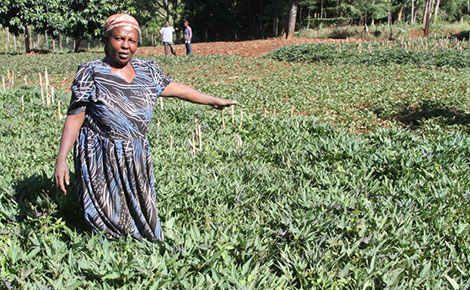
{"points": [[251, 48]]}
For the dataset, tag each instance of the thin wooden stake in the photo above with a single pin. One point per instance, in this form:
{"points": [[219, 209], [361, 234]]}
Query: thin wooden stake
{"points": [[172, 141], [292, 111], [42, 94], [25, 78], [241, 119], [59, 113], [232, 112], [46, 79], [193, 144], [52, 95], [22, 103], [200, 136], [223, 119], [12, 78], [198, 132], [239, 140], [48, 99], [161, 103], [196, 123]]}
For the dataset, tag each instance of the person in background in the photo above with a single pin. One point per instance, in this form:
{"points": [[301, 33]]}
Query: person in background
{"points": [[167, 38], [111, 108], [188, 34]]}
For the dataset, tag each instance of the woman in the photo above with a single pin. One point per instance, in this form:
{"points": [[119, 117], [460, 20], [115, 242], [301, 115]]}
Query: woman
{"points": [[109, 113]]}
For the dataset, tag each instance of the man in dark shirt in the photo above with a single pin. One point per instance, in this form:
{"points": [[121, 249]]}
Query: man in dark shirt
{"points": [[188, 34]]}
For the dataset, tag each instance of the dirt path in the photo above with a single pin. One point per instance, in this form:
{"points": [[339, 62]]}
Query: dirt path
{"points": [[251, 48]]}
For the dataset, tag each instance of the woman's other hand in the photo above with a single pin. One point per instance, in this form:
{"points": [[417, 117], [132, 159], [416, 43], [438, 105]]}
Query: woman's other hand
{"points": [[62, 174], [72, 125]]}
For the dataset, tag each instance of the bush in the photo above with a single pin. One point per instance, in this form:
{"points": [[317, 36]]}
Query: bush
{"points": [[371, 54]]}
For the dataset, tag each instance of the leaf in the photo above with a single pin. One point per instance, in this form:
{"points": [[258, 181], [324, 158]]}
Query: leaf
{"points": [[425, 271], [452, 282], [111, 276]]}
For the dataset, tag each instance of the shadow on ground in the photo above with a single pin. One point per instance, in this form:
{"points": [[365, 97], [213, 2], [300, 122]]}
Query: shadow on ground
{"points": [[414, 115], [37, 196], [462, 35]]}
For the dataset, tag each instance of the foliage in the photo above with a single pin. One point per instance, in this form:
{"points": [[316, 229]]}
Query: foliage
{"points": [[303, 203], [84, 17], [215, 20], [373, 54], [46, 16], [299, 205], [320, 22], [370, 96]]}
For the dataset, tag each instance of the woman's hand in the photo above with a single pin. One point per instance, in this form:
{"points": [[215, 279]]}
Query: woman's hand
{"points": [[189, 94], [220, 104], [61, 174], [72, 125]]}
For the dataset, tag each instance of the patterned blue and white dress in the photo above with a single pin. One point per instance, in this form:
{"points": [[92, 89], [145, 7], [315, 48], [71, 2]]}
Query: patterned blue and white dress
{"points": [[112, 158]]}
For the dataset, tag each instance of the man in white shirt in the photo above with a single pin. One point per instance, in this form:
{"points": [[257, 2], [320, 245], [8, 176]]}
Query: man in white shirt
{"points": [[167, 38]]}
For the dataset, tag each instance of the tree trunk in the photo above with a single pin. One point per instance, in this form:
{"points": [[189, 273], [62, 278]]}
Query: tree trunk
{"points": [[436, 10], [27, 40], [400, 14], [427, 16], [308, 19], [77, 46], [321, 9], [8, 40], [365, 31], [167, 10], [412, 11], [390, 24], [372, 18], [293, 5]]}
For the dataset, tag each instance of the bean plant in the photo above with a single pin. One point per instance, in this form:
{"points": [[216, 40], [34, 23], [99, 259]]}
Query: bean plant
{"points": [[327, 176]]}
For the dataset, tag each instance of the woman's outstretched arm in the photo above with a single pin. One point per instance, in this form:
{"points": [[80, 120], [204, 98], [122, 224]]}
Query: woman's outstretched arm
{"points": [[72, 126], [187, 93]]}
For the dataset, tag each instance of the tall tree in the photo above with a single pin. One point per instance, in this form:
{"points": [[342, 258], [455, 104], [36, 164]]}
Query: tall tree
{"points": [[293, 7], [436, 10], [427, 17], [85, 18], [44, 15]]}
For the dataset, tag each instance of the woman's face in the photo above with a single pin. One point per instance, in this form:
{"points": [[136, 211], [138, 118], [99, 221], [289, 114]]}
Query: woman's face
{"points": [[122, 44]]}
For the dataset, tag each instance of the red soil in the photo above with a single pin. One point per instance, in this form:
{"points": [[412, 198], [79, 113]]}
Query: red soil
{"points": [[251, 48]]}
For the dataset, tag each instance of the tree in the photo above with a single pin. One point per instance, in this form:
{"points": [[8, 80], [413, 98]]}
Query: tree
{"points": [[44, 15], [85, 18], [427, 17], [293, 6]]}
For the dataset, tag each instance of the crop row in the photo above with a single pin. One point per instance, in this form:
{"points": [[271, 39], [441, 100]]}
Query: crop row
{"points": [[299, 204], [372, 55], [357, 97]]}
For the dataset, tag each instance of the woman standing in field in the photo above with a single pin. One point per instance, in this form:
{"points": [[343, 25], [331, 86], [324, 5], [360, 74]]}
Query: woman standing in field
{"points": [[110, 110]]}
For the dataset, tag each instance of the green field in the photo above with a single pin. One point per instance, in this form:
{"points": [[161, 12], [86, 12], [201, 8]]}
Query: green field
{"points": [[339, 176]]}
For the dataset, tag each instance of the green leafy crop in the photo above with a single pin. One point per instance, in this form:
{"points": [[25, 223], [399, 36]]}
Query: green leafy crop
{"points": [[292, 197]]}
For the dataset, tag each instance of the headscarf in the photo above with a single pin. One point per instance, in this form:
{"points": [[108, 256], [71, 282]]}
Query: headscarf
{"points": [[118, 20]]}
